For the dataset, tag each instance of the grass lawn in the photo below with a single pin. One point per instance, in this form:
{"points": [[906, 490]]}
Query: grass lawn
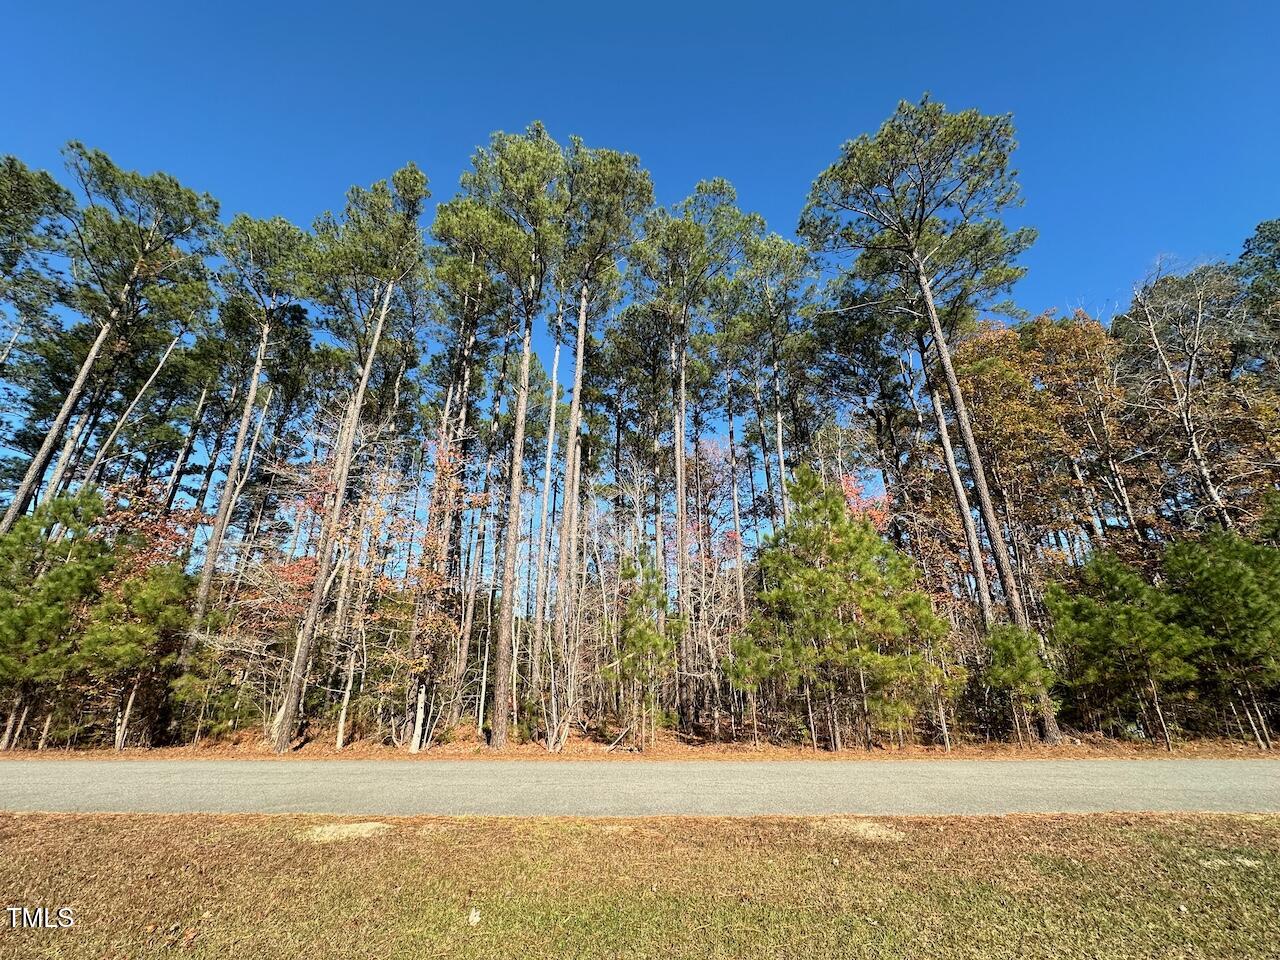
{"points": [[246, 887]]}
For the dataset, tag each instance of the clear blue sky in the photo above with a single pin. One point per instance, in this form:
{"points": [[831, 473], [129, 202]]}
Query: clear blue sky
{"points": [[1147, 129]]}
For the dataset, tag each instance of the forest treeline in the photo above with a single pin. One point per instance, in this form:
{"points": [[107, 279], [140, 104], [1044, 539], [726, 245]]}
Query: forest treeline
{"points": [[563, 461]]}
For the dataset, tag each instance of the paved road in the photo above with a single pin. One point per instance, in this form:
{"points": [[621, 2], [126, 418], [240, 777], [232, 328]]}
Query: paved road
{"points": [[583, 788]]}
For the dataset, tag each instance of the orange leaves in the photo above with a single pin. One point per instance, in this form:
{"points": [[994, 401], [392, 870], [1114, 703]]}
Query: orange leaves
{"points": [[153, 537], [300, 574], [875, 510]]}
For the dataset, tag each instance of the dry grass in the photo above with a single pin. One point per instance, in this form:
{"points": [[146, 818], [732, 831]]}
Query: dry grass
{"points": [[249, 887]]}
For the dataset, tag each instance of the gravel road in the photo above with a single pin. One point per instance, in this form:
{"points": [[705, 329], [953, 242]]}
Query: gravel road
{"points": [[639, 788]]}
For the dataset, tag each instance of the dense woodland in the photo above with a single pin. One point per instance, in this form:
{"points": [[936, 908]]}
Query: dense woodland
{"points": [[555, 461]]}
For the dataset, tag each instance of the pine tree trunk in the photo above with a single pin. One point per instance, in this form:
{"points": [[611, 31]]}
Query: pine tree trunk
{"points": [[71, 452], [501, 721], [7, 740], [25, 492], [659, 539], [1155, 702], [122, 728], [226, 502], [13, 340], [684, 692], [813, 727], [569, 508], [188, 442], [286, 720], [976, 562], [419, 716], [777, 439], [942, 722], [346, 698], [766, 460], [451, 525], [483, 523], [544, 539], [26, 709], [995, 535], [740, 573], [1262, 720], [91, 475], [206, 479], [1257, 734]]}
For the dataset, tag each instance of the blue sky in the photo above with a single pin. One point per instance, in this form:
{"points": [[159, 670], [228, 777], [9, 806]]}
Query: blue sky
{"points": [[1147, 129]]}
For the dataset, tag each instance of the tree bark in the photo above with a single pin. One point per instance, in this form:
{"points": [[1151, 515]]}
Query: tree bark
{"points": [[122, 728], [25, 492], [6, 741], [346, 697], [739, 572], [286, 719], [777, 439], [982, 587], [544, 540], [23, 495], [483, 523], [13, 340], [995, 534], [188, 442], [91, 475], [569, 506], [684, 690], [501, 721], [226, 502], [1155, 702], [72, 450]]}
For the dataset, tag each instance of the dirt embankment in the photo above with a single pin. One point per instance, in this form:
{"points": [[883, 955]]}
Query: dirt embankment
{"points": [[467, 746]]}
